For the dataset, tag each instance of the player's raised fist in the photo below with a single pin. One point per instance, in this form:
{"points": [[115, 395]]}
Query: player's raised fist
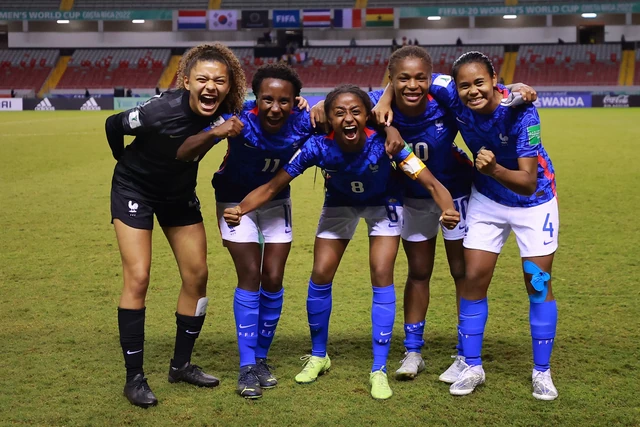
{"points": [[229, 129], [486, 162], [450, 218], [232, 216]]}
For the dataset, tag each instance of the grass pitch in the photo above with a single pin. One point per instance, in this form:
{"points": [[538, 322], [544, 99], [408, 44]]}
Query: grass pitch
{"points": [[60, 280]]}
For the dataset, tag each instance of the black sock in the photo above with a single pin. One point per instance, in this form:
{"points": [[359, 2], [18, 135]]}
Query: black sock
{"points": [[131, 325], [188, 329]]}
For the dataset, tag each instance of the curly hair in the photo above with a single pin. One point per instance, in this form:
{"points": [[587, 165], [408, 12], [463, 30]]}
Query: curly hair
{"points": [[347, 88], [471, 57], [220, 53], [280, 71], [410, 52]]}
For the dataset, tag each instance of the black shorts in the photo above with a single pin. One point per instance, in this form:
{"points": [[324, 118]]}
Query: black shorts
{"points": [[138, 213]]}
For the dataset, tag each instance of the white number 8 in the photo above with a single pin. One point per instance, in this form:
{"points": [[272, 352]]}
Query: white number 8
{"points": [[357, 187]]}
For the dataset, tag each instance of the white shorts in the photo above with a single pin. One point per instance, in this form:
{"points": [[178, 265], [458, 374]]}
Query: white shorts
{"points": [[273, 220], [341, 222], [422, 220], [489, 224]]}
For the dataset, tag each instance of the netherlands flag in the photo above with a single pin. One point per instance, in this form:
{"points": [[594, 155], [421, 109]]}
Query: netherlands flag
{"points": [[316, 17], [347, 18], [192, 20]]}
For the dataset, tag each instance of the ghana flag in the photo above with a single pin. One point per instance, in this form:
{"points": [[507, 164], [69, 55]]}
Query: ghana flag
{"points": [[379, 17]]}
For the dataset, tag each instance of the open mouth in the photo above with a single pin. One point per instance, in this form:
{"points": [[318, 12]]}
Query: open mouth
{"points": [[273, 122], [208, 102], [475, 102], [412, 96], [350, 132]]}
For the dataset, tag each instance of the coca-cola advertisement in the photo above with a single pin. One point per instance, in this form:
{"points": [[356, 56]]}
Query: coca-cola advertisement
{"points": [[616, 100]]}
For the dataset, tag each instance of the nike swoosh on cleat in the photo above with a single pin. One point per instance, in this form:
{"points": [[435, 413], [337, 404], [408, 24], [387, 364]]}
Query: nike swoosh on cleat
{"points": [[241, 326], [133, 352], [192, 332], [266, 325]]}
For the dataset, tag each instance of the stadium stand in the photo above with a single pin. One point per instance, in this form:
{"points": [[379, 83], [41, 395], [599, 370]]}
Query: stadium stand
{"points": [[139, 4], [569, 65], [95, 69], [636, 77], [444, 56], [25, 68], [30, 5]]}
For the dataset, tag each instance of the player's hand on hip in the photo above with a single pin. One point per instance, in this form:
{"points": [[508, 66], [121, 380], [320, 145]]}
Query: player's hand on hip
{"points": [[229, 129], [486, 161], [394, 142], [232, 216], [383, 115], [450, 218], [303, 104]]}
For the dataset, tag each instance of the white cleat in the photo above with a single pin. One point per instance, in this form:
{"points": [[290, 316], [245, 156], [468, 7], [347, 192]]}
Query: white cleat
{"points": [[412, 365], [467, 381], [543, 388], [451, 374]]}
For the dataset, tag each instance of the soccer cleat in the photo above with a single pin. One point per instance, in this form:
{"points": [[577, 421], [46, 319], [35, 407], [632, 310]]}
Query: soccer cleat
{"points": [[248, 383], [380, 389], [451, 374], [543, 388], [468, 380], [263, 372], [191, 374], [138, 392], [412, 365], [313, 367]]}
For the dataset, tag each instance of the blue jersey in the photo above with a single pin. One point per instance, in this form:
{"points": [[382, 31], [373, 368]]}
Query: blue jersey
{"points": [[510, 133], [254, 156], [363, 178], [431, 135]]}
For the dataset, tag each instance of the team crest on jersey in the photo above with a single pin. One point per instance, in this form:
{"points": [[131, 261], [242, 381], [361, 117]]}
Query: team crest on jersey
{"points": [[373, 168], [503, 139], [439, 125]]}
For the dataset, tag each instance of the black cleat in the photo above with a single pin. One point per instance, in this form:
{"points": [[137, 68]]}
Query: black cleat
{"points": [[191, 374], [263, 372], [248, 383], [138, 392]]}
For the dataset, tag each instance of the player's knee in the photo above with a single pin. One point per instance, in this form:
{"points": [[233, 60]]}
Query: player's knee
{"points": [[272, 281], [381, 274], [196, 277], [457, 272], [419, 276], [136, 280]]}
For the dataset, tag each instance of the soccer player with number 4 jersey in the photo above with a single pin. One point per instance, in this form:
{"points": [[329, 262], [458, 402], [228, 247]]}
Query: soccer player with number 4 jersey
{"points": [[359, 183], [514, 189]]}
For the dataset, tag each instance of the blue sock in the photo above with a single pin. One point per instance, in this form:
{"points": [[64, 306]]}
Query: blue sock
{"points": [[543, 318], [473, 318], [318, 313], [383, 314], [245, 309], [413, 333], [459, 346], [270, 309]]}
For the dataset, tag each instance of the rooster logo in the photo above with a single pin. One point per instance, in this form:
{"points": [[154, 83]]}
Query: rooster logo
{"points": [[133, 206]]}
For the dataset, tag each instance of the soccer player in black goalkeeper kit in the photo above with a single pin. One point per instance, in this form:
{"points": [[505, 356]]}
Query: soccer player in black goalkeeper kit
{"points": [[148, 180]]}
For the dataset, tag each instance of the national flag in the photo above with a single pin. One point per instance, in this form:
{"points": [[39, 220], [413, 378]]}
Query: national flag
{"points": [[223, 19], [192, 20], [379, 17], [347, 18], [316, 17]]}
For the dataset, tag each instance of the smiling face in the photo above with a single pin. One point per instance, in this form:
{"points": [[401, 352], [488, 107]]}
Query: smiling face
{"points": [[411, 78], [275, 101], [348, 118], [208, 84], [476, 88]]}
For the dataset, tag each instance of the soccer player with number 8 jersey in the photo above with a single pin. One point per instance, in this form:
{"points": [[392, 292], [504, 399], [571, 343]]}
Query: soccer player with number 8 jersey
{"points": [[359, 183]]}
